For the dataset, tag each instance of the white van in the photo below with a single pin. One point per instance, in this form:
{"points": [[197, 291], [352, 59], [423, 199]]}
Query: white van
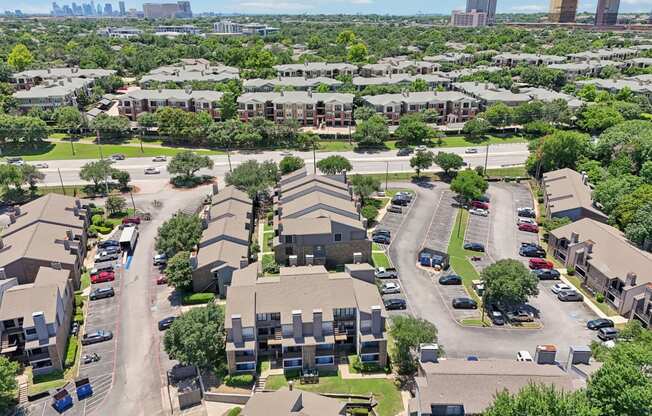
{"points": [[523, 356]]}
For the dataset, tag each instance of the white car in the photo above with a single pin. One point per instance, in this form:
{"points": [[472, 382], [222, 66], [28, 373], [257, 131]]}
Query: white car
{"points": [[152, 170], [471, 150], [41, 165], [524, 356], [421, 148], [159, 159], [479, 211], [560, 287], [523, 220], [390, 287]]}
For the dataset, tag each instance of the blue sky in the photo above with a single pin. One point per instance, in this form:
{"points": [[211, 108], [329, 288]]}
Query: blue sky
{"points": [[334, 6]]}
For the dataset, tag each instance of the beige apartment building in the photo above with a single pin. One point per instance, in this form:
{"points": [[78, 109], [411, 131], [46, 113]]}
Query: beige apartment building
{"points": [[135, 103]]}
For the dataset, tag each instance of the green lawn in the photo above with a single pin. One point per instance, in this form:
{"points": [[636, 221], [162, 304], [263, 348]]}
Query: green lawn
{"points": [[384, 391], [461, 141], [85, 280], [380, 260], [63, 151], [45, 382], [606, 309], [513, 171], [335, 146], [459, 257], [267, 241]]}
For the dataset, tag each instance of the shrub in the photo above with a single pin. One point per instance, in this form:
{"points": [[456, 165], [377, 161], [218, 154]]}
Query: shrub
{"points": [[71, 351], [197, 298], [570, 270], [270, 217], [97, 219], [269, 264], [235, 411], [97, 211], [103, 230], [79, 319], [242, 380], [255, 247], [369, 212], [599, 297], [361, 367], [79, 300]]}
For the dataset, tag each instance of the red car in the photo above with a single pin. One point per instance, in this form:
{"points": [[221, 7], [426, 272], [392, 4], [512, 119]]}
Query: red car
{"points": [[532, 228], [479, 204], [131, 220], [538, 263], [103, 277], [162, 280]]}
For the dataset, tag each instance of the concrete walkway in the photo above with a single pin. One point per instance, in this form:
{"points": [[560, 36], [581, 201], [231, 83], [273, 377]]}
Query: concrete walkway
{"points": [[345, 374]]}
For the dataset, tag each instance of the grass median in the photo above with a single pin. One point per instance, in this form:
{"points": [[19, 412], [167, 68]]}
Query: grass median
{"points": [[459, 256]]}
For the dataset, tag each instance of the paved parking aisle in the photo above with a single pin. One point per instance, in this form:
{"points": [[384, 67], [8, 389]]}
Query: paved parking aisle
{"points": [[441, 223]]}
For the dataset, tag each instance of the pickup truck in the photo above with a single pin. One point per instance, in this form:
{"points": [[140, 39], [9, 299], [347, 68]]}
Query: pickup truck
{"points": [[386, 273]]}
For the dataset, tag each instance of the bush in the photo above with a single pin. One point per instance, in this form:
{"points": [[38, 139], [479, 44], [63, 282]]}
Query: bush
{"points": [[79, 300], [269, 264], [97, 211], [599, 297], [79, 319], [369, 212], [570, 270], [197, 298], [235, 411], [71, 351], [242, 380], [361, 367], [97, 219], [270, 217]]}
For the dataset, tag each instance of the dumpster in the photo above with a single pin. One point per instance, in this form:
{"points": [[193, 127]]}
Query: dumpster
{"points": [[61, 400], [84, 388]]}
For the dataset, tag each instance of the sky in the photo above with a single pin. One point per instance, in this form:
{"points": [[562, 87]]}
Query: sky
{"points": [[404, 7]]}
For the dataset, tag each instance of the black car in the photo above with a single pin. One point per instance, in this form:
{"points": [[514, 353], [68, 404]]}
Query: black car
{"points": [[165, 323], [546, 274], [484, 198], [599, 323], [531, 251], [380, 239], [380, 231], [400, 200], [464, 303], [395, 304], [450, 279], [101, 293], [474, 247], [396, 209], [118, 156], [497, 317], [526, 212], [404, 151], [95, 337]]}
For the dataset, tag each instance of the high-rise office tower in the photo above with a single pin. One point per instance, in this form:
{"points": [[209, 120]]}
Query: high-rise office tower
{"points": [[483, 6], [179, 9], [121, 6], [108, 9], [99, 10], [606, 13], [562, 11]]}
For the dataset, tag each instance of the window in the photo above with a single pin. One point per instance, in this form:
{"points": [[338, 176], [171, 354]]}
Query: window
{"points": [[344, 313], [327, 360], [250, 106], [245, 367], [288, 239], [126, 104], [319, 251], [337, 237], [30, 331]]}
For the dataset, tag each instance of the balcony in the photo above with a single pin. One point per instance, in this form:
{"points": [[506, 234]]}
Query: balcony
{"points": [[370, 349], [292, 354], [245, 358]]}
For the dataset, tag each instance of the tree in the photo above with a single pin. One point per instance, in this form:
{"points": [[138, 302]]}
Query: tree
{"points": [[611, 190], [122, 176], [179, 271], [253, 177], [629, 204], [345, 37], [20, 57], [31, 175], [228, 106], [364, 186], [358, 53], [646, 171], [363, 113], [188, 163], [110, 127], [334, 165], [620, 387], [412, 130], [528, 112], [197, 337], [96, 172], [469, 185], [10, 175], [508, 283], [369, 212], [8, 385], [115, 204], [372, 131], [498, 115], [540, 400], [448, 161], [554, 223], [422, 160], [476, 129], [561, 149], [408, 333], [631, 138], [182, 232], [639, 229], [289, 164], [598, 117], [69, 119]]}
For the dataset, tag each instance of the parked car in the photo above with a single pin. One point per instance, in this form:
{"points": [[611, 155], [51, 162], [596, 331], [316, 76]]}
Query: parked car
{"points": [[474, 247], [546, 274], [131, 220], [101, 293], [607, 334], [530, 228], [96, 336], [520, 314], [386, 273], [404, 151], [396, 209], [104, 256], [530, 244], [381, 239], [152, 170], [450, 279], [159, 159], [531, 251], [596, 324], [524, 356], [570, 296], [166, 323], [484, 198], [108, 243], [405, 195], [479, 211], [526, 212], [117, 156], [15, 160], [381, 231], [390, 287], [479, 204], [421, 148], [497, 317], [107, 276], [41, 165], [526, 220], [111, 250], [162, 280], [539, 263], [395, 303], [106, 268], [560, 287], [400, 200], [471, 150], [464, 303], [160, 260]]}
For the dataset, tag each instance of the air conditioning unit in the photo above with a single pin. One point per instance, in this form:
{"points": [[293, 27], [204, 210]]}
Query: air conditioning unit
{"points": [[310, 259], [293, 260], [357, 258]]}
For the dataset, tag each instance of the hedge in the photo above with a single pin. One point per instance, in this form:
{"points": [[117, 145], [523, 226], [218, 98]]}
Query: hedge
{"points": [[242, 380], [197, 298], [71, 351], [235, 411]]}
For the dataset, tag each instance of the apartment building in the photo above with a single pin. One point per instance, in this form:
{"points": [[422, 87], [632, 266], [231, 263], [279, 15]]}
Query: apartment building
{"points": [[228, 27], [605, 261], [120, 32], [452, 106], [470, 18], [27, 79], [456, 58], [47, 232], [573, 70], [639, 62], [176, 30], [635, 85], [316, 221], [463, 72], [290, 83], [304, 318], [293, 402], [224, 246], [182, 77], [35, 320], [402, 80], [548, 96], [137, 102], [566, 193], [316, 69], [487, 93], [200, 65], [52, 94], [562, 11], [642, 310], [306, 107], [407, 67], [615, 54], [513, 59]]}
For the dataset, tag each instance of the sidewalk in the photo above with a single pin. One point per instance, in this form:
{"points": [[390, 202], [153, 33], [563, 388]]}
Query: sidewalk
{"points": [[345, 374]]}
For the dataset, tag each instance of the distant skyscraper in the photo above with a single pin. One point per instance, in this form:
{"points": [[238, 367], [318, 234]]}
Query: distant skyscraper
{"points": [[121, 6], [56, 10], [166, 10], [562, 11], [99, 10], [108, 9], [607, 12], [483, 6], [87, 9], [472, 18]]}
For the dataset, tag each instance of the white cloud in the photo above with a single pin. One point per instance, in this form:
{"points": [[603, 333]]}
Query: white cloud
{"points": [[271, 5], [529, 8], [637, 2], [361, 1]]}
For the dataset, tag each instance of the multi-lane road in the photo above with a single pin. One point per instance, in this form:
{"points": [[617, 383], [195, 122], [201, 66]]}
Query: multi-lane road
{"points": [[502, 155]]}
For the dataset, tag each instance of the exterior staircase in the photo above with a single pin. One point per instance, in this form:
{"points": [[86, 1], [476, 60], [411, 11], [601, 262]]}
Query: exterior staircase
{"points": [[260, 384]]}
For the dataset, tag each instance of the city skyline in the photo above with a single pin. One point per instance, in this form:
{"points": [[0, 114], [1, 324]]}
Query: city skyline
{"points": [[342, 6]]}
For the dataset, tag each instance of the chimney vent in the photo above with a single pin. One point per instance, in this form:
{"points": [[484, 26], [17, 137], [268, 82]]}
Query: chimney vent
{"points": [[244, 262], [3, 274], [630, 280], [317, 323]]}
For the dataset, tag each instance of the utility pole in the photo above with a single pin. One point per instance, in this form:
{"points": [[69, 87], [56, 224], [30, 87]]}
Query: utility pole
{"points": [[63, 189], [132, 201], [106, 180], [386, 174], [314, 158], [486, 160], [72, 145]]}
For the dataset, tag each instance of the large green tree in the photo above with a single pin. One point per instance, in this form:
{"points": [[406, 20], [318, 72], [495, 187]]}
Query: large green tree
{"points": [[372, 131], [469, 185], [179, 271], [408, 333], [290, 163], [448, 161], [598, 117], [20, 57], [188, 163], [540, 400], [422, 160], [181, 232], [498, 114], [96, 172], [561, 149], [621, 387], [412, 130], [8, 385], [639, 229], [334, 165], [508, 283], [476, 129], [110, 127], [364, 186], [253, 177]]}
